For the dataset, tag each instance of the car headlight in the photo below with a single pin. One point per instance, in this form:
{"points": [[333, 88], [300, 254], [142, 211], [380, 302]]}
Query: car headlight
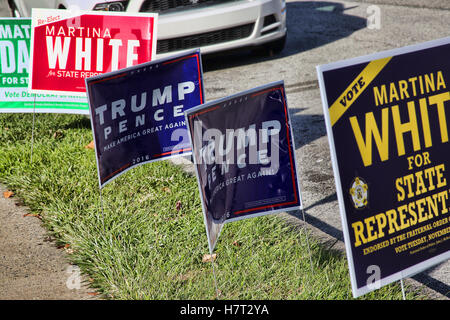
{"points": [[112, 6]]}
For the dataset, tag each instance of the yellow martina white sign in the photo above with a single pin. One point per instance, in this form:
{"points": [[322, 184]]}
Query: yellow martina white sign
{"points": [[387, 121], [428, 86]]}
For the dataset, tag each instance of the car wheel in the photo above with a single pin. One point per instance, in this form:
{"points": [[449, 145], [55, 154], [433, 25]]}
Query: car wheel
{"points": [[271, 48], [14, 10], [278, 45]]}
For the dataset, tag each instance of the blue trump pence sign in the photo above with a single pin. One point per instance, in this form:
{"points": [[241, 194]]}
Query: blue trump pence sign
{"points": [[244, 156], [137, 113]]}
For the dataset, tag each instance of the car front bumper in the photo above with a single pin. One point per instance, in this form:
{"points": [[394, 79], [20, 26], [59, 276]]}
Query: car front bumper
{"points": [[219, 27]]}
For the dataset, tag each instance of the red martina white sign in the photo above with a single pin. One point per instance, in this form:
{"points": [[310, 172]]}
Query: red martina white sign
{"points": [[69, 46]]}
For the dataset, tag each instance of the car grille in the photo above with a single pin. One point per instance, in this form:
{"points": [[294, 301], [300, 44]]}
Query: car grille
{"points": [[164, 5], [204, 39]]}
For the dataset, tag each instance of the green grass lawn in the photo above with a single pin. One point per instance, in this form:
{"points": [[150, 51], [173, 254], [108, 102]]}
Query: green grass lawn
{"points": [[141, 246]]}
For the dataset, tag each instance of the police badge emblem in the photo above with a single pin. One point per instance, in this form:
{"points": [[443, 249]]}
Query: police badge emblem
{"points": [[359, 192]]}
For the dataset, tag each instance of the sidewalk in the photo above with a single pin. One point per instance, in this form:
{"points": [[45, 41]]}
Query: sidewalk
{"points": [[31, 266]]}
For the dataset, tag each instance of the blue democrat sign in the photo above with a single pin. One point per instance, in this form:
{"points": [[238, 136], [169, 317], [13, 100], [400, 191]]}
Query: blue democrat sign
{"points": [[137, 113], [244, 157]]}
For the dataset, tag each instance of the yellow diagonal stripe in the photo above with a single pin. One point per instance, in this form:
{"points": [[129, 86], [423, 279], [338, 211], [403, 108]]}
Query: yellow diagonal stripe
{"points": [[349, 96]]}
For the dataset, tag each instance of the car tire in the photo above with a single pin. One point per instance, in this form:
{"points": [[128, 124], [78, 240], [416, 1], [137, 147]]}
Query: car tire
{"points": [[271, 48], [278, 45]]}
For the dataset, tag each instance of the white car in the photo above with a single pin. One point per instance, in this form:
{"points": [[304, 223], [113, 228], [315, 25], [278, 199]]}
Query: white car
{"points": [[212, 25]]}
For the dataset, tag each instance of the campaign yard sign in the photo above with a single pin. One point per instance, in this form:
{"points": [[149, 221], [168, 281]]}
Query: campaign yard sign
{"points": [[244, 156], [71, 45], [137, 113], [15, 37], [387, 121]]}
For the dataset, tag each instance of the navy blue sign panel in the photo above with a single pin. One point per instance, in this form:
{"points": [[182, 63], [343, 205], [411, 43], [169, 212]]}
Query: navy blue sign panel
{"points": [[387, 119], [137, 113], [244, 156]]}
